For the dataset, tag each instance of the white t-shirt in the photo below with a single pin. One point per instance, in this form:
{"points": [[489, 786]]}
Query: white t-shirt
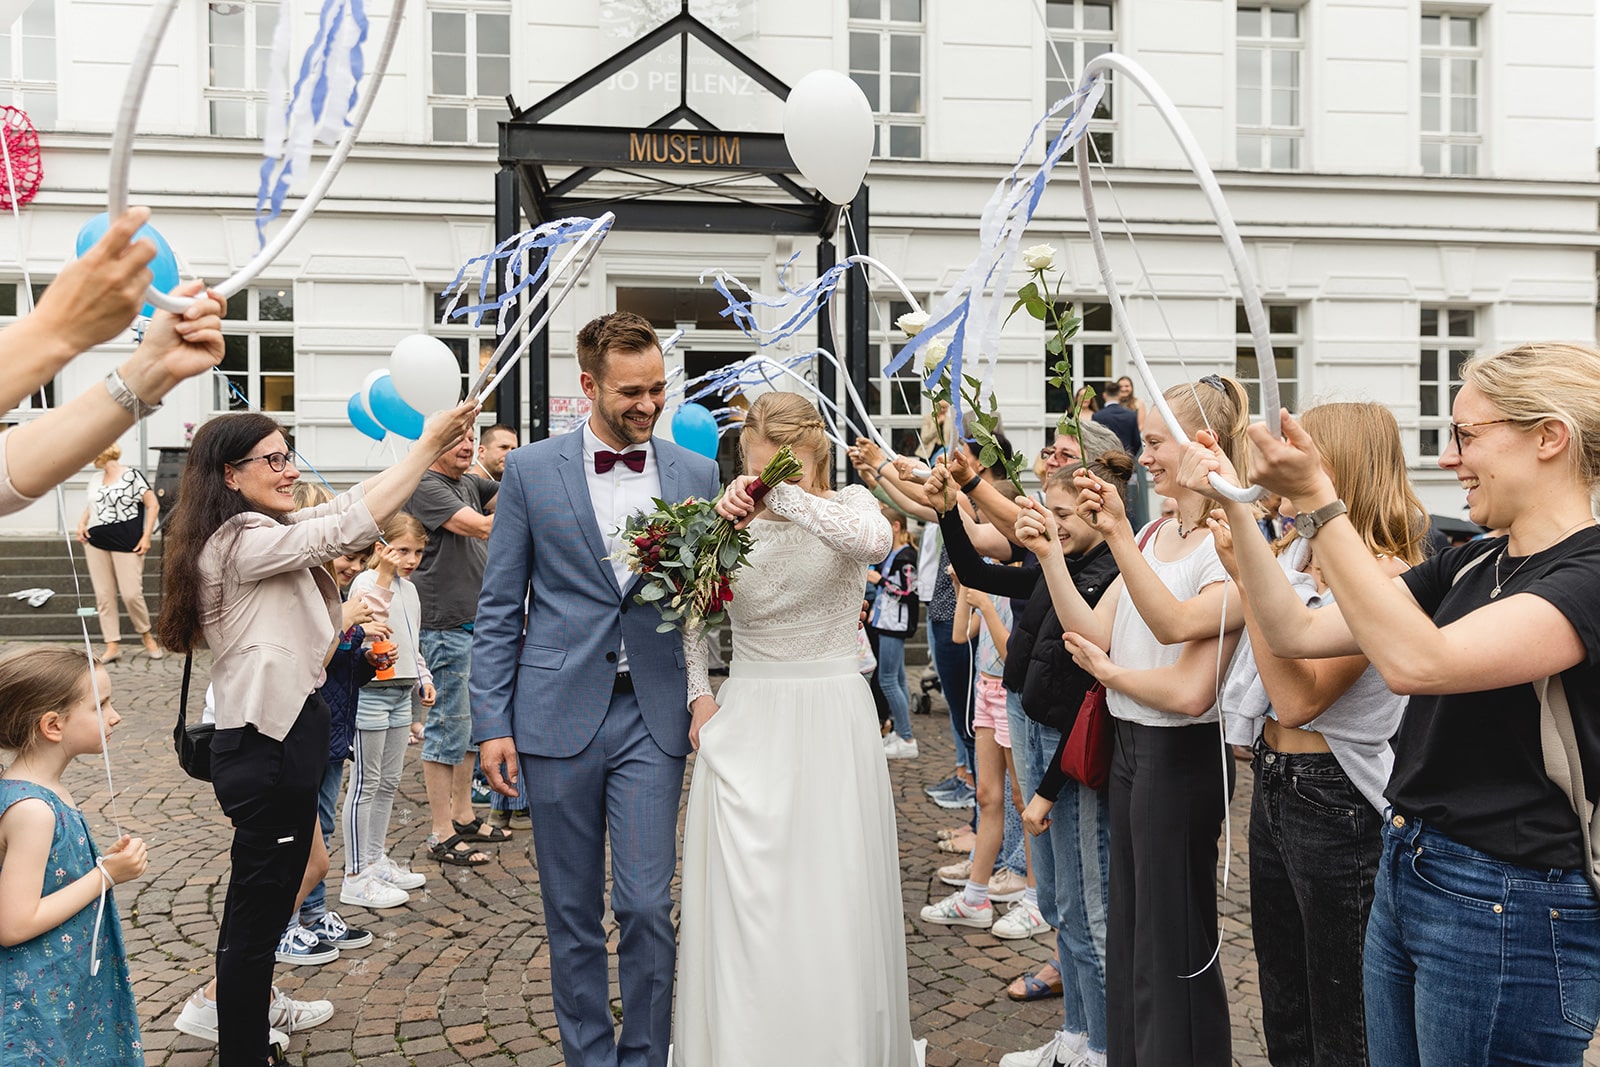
{"points": [[1133, 645], [928, 552]]}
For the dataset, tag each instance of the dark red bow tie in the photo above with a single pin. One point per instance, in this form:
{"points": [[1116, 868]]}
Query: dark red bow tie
{"points": [[604, 461]]}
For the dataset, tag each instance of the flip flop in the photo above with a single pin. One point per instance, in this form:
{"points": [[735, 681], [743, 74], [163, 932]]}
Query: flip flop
{"points": [[447, 852], [480, 830], [1035, 989]]}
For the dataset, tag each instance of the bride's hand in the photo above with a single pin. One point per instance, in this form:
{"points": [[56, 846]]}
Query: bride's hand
{"points": [[736, 505], [700, 713]]}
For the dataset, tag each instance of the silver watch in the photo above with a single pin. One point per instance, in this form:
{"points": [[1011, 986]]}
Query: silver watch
{"points": [[1307, 523], [127, 398]]}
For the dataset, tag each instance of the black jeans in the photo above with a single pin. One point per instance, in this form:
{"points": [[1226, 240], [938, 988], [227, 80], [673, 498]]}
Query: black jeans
{"points": [[1314, 848], [1167, 801], [269, 789]]}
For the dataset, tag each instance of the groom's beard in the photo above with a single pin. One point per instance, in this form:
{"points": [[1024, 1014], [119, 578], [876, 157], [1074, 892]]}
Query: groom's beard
{"points": [[629, 433]]}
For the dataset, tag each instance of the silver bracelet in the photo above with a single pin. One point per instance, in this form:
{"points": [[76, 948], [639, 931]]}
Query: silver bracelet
{"points": [[127, 398]]}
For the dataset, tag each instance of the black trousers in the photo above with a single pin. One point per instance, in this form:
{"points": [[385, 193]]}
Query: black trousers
{"points": [[269, 789], [1167, 803]]}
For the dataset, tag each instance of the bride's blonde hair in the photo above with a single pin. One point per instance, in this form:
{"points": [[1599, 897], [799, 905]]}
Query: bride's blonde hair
{"points": [[790, 419]]}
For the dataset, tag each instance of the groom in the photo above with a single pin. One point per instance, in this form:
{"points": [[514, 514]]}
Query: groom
{"points": [[590, 705]]}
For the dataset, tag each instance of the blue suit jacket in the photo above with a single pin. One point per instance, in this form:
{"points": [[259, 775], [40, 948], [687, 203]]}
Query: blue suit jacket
{"points": [[550, 688]]}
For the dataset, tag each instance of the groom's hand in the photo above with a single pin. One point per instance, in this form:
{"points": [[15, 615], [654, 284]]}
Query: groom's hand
{"points": [[700, 712], [498, 758]]}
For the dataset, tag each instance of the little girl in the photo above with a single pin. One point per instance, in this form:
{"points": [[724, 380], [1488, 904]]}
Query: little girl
{"points": [[383, 721], [67, 997]]}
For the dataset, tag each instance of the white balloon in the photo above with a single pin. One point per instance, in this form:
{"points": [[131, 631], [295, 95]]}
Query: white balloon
{"points": [[425, 373], [365, 392], [828, 127]]}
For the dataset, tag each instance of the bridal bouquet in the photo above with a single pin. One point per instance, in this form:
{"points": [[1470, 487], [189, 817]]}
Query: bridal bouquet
{"points": [[686, 553]]}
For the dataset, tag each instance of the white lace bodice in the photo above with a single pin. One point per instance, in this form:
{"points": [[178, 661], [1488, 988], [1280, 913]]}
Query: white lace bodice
{"points": [[799, 596]]}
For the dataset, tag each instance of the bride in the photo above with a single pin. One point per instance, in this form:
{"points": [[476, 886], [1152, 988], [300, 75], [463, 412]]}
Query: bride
{"points": [[775, 969]]}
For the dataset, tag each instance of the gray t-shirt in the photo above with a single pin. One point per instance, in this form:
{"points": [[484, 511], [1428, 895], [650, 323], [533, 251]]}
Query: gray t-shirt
{"points": [[451, 572]]}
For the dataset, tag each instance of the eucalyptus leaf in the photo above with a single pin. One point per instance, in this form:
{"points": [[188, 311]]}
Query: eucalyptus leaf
{"points": [[650, 594], [665, 628]]}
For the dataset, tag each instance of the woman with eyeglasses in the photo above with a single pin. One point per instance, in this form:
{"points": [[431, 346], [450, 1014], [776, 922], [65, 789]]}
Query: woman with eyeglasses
{"points": [[244, 577], [1483, 946]]}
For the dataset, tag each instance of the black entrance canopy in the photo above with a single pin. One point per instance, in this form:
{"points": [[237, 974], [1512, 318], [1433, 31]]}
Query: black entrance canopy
{"points": [[688, 176]]}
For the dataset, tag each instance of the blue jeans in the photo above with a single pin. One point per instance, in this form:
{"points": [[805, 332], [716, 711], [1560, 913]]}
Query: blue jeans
{"points": [[316, 902], [448, 730], [892, 680], [1070, 861], [1471, 961], [953, 663]]}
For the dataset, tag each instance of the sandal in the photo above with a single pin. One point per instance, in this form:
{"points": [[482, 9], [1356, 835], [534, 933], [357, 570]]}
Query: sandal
{"points": [[480, 830], [959, 845], [449, 852], [1035, 988]]}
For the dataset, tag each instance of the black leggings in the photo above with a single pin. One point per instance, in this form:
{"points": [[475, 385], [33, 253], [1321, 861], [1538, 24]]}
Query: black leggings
{"points": [[269, 789]]}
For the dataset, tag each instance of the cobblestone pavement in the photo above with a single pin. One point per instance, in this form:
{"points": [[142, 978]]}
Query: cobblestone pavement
{"points": [[462, 973]]}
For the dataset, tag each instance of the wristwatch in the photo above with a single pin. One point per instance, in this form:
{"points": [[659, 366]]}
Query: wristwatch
{"points": [[1307, 523], [127, 398]]}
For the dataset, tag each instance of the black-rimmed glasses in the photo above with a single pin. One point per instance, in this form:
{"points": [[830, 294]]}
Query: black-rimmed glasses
{"points": [[276, 460], [1457, 427]]}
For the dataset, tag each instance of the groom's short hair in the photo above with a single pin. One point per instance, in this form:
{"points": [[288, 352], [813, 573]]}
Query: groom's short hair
{"points": [[621, 330]]}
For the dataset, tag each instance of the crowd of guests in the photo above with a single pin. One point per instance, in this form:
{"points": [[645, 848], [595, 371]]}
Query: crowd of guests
{"points": [[1420, 723]]}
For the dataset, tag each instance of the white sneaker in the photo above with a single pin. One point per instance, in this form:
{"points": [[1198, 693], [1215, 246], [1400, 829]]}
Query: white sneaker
{"points": [[1023, 920], [387, 870], [1046, 1055], [292, 1016], [199, 1019], [953, 910], [1006, 885], [897, 747], [361, 891]]}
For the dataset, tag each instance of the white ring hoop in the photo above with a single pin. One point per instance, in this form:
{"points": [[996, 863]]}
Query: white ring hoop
{"points": [[505, 357], [1255, 313], [128, 117]]}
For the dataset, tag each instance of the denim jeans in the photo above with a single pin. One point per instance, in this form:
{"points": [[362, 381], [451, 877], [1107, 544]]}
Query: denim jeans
{"points": [[1070, 862], [1314, 845], [448, 731], [1471, 961], [892, 681], [953, 663], [316, 902]]}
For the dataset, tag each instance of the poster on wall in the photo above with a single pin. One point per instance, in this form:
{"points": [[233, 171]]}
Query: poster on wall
{"points": [[567, 413]]}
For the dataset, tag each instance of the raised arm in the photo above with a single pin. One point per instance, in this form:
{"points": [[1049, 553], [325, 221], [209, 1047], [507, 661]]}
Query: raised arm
{"points": [[849, 523], [1036, 531]]}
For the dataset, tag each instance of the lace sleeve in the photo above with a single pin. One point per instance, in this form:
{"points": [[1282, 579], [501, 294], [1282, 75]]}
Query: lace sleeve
{"points": [[694, 660], [850, 523]]}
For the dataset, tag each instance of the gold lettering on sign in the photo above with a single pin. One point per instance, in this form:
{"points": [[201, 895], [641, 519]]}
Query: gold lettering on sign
{"points": [[684, 149]]}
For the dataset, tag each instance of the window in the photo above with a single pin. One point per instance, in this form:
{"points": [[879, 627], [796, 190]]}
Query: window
{"points": [[473, 345], [1269, 62], [899, 393], [1080, 30], [239, 53], [470, 74], [886, 61], [258, 351], [1449, 339], [1091, 357], [667, 308], [13, 306], [28, 64], [1283, 328], [1450, 59]]}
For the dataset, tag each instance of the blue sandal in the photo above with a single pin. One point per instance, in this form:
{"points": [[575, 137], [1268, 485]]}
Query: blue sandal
{"points": [[1034, 988]]}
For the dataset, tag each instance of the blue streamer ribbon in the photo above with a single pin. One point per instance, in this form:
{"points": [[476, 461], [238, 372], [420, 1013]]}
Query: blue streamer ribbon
{"points": [[517, 253]]}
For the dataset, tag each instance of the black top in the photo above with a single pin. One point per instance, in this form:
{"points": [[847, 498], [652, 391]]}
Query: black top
{"points": [[1124, 422], [1470, 764], [894, 610]]}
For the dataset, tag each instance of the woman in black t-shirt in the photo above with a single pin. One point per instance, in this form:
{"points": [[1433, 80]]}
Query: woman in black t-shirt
{"points": [[1483, 946]]}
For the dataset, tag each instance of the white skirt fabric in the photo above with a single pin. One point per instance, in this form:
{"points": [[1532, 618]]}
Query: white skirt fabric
{"points": [[792, 939]]}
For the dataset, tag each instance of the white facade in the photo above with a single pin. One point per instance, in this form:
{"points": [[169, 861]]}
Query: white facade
{"points": [[1361, 252]]}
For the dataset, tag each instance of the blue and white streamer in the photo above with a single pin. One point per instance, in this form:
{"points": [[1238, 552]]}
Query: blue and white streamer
{"points": [[801, 305], [320, 106], [516, 253]]}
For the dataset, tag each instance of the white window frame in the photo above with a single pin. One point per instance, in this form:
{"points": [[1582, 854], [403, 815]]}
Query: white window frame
{"points": [[460, 331], [1256, 133], [1435, 360], [1289, 391], [1076, 47], [885, 340], [887, 120], [22, 306], [473, 101], [257, 54], [1442, 137], [1076, 345], [252, 328], [20, 42]]}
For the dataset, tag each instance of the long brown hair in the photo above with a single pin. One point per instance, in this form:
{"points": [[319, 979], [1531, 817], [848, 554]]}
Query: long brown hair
{"points": [[33, 683], [790, 419], [1360, 444], [204, 503]]}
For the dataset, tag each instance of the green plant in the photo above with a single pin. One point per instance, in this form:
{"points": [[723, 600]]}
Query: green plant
{"points": [[1043, 302]]}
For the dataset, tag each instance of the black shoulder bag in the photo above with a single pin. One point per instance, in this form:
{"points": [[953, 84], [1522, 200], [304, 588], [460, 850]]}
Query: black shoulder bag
{"points": [[192, 743]]}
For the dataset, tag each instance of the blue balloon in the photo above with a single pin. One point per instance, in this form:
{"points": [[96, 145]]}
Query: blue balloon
{"points": [[362, 419], [395, 414], [163, 268], [695, 428]]}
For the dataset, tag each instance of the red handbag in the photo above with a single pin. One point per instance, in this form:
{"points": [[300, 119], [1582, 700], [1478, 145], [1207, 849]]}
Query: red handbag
{"points": [[1086, 757]]}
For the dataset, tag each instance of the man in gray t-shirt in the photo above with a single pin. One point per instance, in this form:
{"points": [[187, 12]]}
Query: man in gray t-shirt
{"points": [[457, 508]]}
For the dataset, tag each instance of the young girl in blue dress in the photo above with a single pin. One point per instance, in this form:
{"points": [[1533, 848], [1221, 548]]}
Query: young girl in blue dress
{"points": [[66, 994]]}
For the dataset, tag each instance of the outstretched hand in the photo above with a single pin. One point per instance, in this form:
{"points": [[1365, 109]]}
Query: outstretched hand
{"points": [[444, 430], [1036, 528], [96, 296], [938, 490], [1290, 466], [1095, 499], [736, 504], [1202, 458]]}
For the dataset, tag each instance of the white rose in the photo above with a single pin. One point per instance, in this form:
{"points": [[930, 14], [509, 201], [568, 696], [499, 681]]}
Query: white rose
{"points": [[933, 354], [912, 322], [1039, 257]]}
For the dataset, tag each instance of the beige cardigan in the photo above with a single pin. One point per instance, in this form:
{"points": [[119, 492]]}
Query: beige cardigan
{"points": [[270, 610]]}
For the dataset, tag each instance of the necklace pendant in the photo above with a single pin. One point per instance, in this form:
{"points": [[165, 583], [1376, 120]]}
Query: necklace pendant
{"points": [[1494, 592]]}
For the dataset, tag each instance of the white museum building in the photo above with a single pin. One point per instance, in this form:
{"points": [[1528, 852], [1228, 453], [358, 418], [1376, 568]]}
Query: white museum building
{"points": [[1413, 181]]}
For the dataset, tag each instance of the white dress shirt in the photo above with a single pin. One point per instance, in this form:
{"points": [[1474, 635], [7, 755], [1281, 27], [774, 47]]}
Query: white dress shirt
{"points": [[616, 495]]}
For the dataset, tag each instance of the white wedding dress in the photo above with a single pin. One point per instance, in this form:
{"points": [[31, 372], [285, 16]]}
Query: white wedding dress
{"points": [[792, 936]]}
